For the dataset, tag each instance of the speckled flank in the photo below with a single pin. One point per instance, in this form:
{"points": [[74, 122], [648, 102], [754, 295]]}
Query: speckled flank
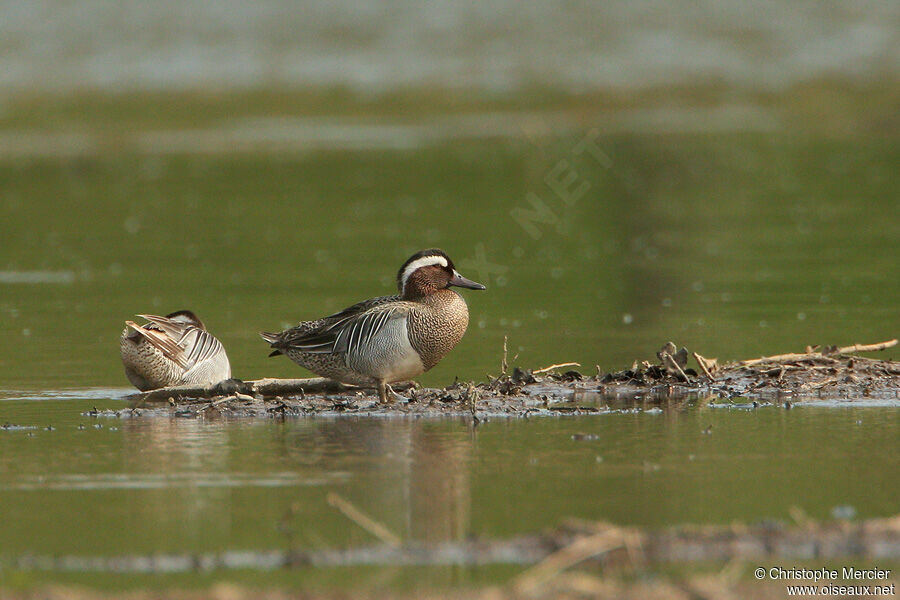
{"points": [[145, 366], [332, 365]]}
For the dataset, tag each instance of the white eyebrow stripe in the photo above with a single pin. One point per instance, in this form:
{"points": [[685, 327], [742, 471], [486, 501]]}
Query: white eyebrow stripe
{"points": [[425, 261]]}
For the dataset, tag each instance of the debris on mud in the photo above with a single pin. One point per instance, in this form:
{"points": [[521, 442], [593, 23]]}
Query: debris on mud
{"points": [[836, 373]]}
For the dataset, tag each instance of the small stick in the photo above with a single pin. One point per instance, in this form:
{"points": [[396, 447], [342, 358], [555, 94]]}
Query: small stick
{"points": [[702, 362], [817, 355], [472, 400], [265, 387], [830, 381], [779, 358], [504, 364], [363, 520], [551, 367], [670, 362], [280, 387], [867, 347], [215, 403]]}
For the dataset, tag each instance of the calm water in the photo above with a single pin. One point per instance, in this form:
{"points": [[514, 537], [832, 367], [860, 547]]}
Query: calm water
{"points": [[186, 485], [734, 241]]}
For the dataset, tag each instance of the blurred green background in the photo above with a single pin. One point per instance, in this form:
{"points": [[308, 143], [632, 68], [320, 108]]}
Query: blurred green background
{"points": [[602, 224]]}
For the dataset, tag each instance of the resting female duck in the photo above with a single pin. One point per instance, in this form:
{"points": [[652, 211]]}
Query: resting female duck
{"points": [[172, 350]]}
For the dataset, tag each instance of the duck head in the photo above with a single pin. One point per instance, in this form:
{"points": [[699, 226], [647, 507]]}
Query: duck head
{"points": [[429, 271], [187, 317]]}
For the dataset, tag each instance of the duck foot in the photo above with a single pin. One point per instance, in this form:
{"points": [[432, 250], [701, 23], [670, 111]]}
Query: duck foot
{"points": [[384, 388], [398, 397]]}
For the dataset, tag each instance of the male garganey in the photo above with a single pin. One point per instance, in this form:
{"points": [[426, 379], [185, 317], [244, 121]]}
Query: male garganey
{"points": [[388, 339]]}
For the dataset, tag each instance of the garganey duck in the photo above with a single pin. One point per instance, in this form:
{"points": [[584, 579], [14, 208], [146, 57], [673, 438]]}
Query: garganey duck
{"points": [[172, 350], [388, 339]]}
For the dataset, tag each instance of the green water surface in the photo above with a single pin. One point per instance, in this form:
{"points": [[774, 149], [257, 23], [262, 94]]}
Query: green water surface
{"points": [[175, 485]]}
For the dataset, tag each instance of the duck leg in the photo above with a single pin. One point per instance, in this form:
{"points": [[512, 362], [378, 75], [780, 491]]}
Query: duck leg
{"points": [[384, 389], [397, 396]]}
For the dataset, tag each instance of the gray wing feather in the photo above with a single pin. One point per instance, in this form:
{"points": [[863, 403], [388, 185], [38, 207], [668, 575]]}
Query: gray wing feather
{"points": [[204, 347], [333, 333], [197, 345], [362, 330], [349, 334]]}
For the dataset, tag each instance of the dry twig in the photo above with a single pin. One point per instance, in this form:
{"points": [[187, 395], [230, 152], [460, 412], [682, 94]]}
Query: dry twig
{"points": [[503, 364], [264, 387], [867, 347], [702, 362], [559, 366], [671, 365], [820, 356]]}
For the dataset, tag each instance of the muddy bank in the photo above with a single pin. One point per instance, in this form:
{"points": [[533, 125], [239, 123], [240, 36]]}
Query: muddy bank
{"points": [[675, 376]]}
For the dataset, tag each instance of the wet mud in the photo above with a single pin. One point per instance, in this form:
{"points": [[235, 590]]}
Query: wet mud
{"points": [[677, 376]]}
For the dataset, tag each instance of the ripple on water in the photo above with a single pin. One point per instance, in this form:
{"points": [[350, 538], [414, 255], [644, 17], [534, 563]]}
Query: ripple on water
{"points": [[100, 393], [144, 481]]}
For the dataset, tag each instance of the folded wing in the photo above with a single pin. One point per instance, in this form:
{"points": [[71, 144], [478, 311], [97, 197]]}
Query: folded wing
{"points": [[344, 332], [183, 343]]}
